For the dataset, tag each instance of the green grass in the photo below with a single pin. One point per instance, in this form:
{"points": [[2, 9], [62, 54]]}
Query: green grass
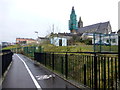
{"points": [[113, 48], [78, 48], [16, 46], [12, 46]]}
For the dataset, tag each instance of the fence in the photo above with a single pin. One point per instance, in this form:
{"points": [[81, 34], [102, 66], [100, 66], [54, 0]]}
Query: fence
{"points": [[28, 51], [95, 70], [105, 42], [6, 56]]}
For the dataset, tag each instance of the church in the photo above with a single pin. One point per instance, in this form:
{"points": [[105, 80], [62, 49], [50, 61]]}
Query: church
{"points": [[77, 27]]}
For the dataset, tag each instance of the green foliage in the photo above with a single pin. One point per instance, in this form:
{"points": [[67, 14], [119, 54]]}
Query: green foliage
{"points": [[12, 46], [79, 48], [113, 48], [75, 39], [86, 41]]}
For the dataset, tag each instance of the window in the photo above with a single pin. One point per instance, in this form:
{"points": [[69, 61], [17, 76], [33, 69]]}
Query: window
{"points": [[60, 42], [114, 40], [107, 40]]}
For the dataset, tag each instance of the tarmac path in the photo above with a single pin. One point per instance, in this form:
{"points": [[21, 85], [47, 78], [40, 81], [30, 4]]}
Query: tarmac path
{"points": [[24, 73]]}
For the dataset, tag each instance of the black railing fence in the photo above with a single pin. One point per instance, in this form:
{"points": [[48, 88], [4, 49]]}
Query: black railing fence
{"points": [[28, 50], [6, 58], [94, 70]]}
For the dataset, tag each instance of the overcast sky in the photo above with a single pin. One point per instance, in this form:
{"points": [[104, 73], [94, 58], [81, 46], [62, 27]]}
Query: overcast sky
{"points": [[20, 18]]}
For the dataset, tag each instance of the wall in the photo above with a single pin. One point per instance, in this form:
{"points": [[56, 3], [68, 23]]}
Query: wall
{"points": [[55, 41]]}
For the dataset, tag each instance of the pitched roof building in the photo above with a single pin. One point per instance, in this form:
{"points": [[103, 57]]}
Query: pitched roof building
{"points": [[104, 28], [25, 40], [74, 27]]}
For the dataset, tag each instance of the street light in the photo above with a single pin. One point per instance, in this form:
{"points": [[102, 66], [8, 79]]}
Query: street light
{"points": [[36, 33], [37, 36]]}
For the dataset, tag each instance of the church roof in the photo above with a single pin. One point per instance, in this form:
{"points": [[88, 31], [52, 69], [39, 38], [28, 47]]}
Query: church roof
{"points": [[99, 28]]}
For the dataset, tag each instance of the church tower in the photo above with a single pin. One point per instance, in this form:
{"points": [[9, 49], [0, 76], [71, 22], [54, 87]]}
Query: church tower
{"points": [[80, 23], [73, 25]]}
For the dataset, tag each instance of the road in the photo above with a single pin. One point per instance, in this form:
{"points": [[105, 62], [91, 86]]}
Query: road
{"points": [[24, 73]]}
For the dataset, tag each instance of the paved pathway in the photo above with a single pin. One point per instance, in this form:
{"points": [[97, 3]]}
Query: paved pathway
{"points": [[23, 73]]}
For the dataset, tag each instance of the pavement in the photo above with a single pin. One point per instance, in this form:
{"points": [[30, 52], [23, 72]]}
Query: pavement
{"points": [[25, 74]]}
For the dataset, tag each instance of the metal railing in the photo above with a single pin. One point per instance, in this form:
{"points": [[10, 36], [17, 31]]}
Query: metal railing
{"points": [[28, 51], [93, 70], [6, 58]]}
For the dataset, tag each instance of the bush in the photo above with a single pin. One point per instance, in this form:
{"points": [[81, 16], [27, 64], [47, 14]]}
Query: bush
{"points": [[86, 41]]}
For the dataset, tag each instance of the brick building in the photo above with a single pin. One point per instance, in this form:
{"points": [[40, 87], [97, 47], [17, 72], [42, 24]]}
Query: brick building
{"points": [[25, 41]]}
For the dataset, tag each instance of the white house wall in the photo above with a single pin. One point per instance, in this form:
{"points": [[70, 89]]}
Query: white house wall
{"points": [[55, 41], [105, 38], [64, 42], [111, 37]]}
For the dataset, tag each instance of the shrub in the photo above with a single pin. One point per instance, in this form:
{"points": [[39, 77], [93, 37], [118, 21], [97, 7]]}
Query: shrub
{"points": [[86, 41]]}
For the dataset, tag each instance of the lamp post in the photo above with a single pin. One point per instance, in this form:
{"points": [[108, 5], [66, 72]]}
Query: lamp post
{"points": [[37, 36], [36, 33]]}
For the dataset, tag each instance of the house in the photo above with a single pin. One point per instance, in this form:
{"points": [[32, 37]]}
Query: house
{"points": [[42, 39], [25, 41], [5, 44], [63, 39], [105, 39], [87, 36], [59, 41]]}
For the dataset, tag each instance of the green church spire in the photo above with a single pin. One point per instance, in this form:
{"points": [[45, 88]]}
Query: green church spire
{"points": [[73, 26]]}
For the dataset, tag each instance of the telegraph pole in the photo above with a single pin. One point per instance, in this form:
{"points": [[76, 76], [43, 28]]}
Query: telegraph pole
{"points": [[53, 28]]}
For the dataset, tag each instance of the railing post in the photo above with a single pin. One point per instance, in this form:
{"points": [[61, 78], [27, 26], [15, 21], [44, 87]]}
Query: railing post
{"points": [[45, 58], [84, 74], [66, 65], [104, 73], [62, 65], [94, 42], [119, 58], [100, 41], [95, 71], [53, 61]]}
